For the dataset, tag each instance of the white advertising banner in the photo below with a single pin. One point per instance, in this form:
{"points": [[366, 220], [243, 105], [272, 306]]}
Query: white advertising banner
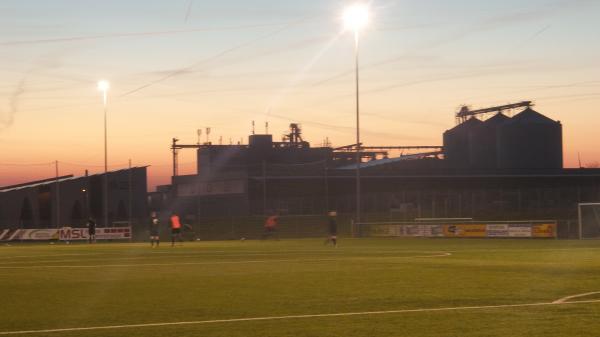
{"points": [[423, 230], [465, 230], [29, 235], [519, 230], [64, 234], [405, 230], [110, 233], [497, 230]]}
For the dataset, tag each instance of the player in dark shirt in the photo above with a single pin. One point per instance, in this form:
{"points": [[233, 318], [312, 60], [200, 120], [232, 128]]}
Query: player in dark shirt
{"points": [[91, 225], [154, 230], [332, 229]]}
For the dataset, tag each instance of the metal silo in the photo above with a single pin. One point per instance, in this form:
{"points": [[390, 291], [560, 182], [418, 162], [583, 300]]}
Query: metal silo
{"points": [[530, 140], [482, 143], [456, 144]]}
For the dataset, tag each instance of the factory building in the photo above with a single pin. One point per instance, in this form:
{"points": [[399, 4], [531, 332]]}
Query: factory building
{"points": [[70, 201], [491, 166]]}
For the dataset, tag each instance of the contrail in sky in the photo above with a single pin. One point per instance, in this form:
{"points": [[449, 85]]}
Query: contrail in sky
{"points": [[13, 105], [189, 10], [135, 34], [285, 90], [492, 23], [344, 129], [188, 68]]}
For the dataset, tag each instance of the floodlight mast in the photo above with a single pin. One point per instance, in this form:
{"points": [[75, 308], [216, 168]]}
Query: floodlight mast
{"points": [[356, 18], [103, 87]]}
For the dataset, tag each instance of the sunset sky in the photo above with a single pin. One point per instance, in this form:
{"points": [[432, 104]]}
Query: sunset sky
{"points": [[177, 66]]}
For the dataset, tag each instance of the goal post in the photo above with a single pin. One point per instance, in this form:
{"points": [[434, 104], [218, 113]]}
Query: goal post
{"points": [[588, 216]]}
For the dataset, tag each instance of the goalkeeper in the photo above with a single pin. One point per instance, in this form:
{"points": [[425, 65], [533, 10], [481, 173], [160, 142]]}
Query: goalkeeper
{"points": [[332, 229]]}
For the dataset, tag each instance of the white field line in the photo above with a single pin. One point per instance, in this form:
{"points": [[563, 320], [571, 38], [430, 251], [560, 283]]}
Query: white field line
{"points": [[566, 299], [51, 255], [218, 262], [162, 264], [173, 256], [517, 250], [220, 253], [140, 257], [289, 317]]}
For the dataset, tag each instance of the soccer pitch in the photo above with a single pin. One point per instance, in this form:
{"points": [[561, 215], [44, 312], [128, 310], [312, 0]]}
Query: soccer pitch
{"points": [[365, 287]]}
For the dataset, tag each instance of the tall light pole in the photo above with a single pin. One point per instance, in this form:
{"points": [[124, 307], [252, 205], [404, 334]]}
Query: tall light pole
{"points": [[356, 18], [103, 86]]}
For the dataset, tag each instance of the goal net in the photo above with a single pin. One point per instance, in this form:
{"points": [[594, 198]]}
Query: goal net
{"points": [[589, 220]]}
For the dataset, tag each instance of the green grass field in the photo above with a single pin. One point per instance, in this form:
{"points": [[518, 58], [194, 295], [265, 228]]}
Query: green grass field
{"points": [[48, 287]]}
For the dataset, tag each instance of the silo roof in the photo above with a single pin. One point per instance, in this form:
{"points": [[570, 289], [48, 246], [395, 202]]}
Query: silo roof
{"points": [[530, 116], [469, 124], [498, 119]]}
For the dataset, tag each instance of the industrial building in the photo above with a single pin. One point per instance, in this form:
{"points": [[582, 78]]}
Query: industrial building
{"points": [[499, 163], [70, 201]]}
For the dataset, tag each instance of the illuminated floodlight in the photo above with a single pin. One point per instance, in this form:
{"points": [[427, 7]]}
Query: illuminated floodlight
{"points": [[103, 85], [356, 17]]}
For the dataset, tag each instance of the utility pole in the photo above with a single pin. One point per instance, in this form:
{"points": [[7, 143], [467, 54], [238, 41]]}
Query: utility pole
{"points": [[130, 196], [326, 173], [174, 148], [264, 174], [57, 196]]}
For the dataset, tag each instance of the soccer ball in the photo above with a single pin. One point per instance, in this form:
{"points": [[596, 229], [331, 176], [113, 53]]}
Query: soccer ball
{"points": [[243, 239]]}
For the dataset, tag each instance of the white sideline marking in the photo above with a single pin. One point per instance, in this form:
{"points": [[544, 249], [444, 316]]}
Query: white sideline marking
{"points": [[51, 255], [565, 299], [427, 256], [161, 264], [273, 318], [172, 256], [215, 262], [209, 253]]}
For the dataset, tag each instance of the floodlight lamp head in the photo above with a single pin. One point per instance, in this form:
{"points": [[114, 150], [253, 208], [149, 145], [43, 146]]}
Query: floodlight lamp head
{"points": [[103, 85], [356, 17]]}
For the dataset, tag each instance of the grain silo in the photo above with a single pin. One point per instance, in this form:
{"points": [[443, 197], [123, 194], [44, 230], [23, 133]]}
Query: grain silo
{"points": [[482, 142], [530, 140], [456, 143]]}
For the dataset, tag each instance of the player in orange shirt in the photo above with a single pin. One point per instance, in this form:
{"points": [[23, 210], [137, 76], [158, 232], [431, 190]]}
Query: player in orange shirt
{"points": [[270, 227], [175, 228]]}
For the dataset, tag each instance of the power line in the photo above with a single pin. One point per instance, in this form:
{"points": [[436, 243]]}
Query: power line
{"points": [[134, 34], [28, 164], [185, 69]]}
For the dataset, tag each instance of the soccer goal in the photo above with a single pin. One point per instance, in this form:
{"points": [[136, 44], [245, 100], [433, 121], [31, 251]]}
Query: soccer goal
{"points": [[589, 220]]}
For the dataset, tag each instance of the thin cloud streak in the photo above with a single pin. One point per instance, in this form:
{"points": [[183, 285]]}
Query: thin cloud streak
{"points": [[346, 129], [482, 26], [189, 10], [134, 34], [190, 67]]}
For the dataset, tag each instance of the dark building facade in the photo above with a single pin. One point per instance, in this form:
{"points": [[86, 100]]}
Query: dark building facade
{"points": [[69, 200]]}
